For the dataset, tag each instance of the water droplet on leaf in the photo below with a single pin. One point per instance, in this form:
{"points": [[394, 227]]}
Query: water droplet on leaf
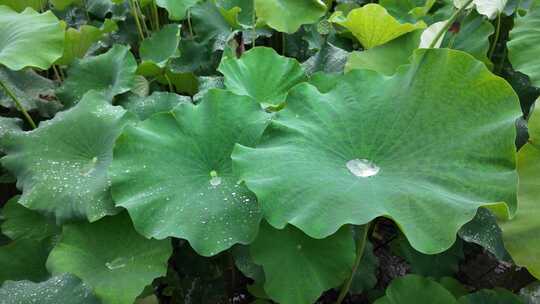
{"points": [[362, 167]]}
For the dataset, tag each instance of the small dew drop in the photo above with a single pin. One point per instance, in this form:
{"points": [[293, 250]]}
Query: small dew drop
{"points": [[362, 167]]}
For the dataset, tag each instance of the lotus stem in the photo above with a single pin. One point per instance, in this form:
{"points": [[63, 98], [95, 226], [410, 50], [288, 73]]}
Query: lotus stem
{"points": [[155, 13], [18, 104], [136, 17], [360, 246], [496, 38], [449, 23]]}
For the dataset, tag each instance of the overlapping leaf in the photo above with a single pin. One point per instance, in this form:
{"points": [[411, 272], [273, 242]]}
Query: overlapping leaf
{"points": [[22, 223], [288, 15], [177, 9], [301, 268], [413, 289], [65, 289], [343, 157], [373, 26], [262, 74], [524, 45], [112, 73], [62, 165], [108, 255], [173, 172], [21, 34], [522, 234]]}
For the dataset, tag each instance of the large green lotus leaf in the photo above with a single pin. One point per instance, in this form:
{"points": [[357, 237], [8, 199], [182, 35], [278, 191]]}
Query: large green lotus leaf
{"points": [[36, 93], [245, 16], [21, 5], [62, 165], [288, 15], [385, 58], [195, 57], [521, 235], [111, 257], [191, 191], [24, 260], [484, 231], [491, 296], [372, 25], [161, 46], [209, 23], [65, 289], [177, 9], [112, 73], [299, 269], [524, 45], [22, 223], [62, 4], [8, 125], [78, 41], [144, 107], [21, 34], [385, 153], [412, 289], [262, 74]]}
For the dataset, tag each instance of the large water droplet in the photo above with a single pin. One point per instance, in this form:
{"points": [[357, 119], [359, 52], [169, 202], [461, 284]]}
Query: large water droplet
{"points": [[362, 167], [116, 264], [215, 180]]}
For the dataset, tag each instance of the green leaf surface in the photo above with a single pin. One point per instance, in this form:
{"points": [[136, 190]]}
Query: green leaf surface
{"points": [[385, 153], [24, 260], [111, 257], [195, 57], [484, 231], [36, 93], [521, 235], [8, 125], [491, 296], [372, 25], [430, 265], [161, 46], [190, 191], [412, 289], [365, 278], [62, 165], [524, 45], [301, 268], [385, 58], [21, 5], [262, 74], [65, 289], [78, 41], [329, 59], [22, 223], [144, 107], [288, 15], [177, 9], [21, 34], [112, 73], [473, 37]]}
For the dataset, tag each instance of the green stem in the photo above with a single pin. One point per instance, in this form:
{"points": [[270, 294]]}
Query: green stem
{"points": [[18, 104], [155, 13], [360, 246], [57, 73], [189, 23], [137, 21], [254, 20], [169, 83], [142, 17], [449, 23], [496, 39]]}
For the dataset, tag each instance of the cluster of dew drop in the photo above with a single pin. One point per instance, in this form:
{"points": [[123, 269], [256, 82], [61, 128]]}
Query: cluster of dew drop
{"points": [[362, 167]]}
